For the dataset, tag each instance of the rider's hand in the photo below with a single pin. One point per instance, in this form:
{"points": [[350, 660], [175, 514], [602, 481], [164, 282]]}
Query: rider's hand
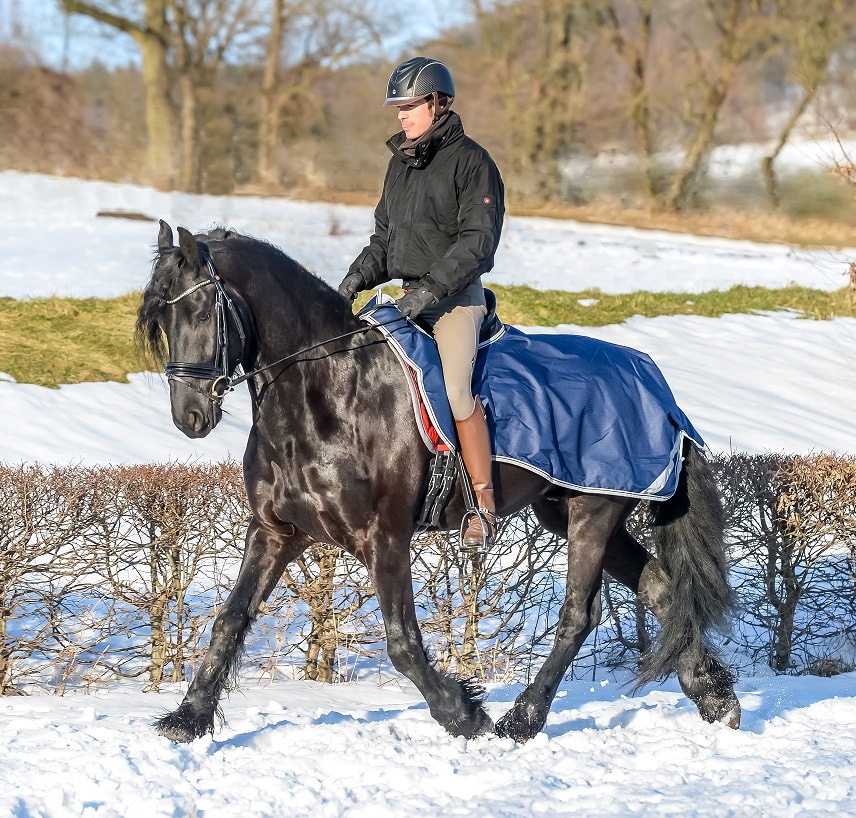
{"points": [[351, 285], [411, 304]]}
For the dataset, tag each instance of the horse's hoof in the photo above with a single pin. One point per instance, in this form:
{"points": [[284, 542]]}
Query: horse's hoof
{"points": [[480, 725], [732, 717], [726, 710], [517, 727], [183, 726]]}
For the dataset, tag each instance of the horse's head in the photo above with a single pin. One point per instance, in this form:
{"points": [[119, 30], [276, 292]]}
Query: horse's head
{"points": [[186, 304]]}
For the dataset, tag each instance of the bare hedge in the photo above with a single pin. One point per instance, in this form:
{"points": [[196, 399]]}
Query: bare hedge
{"points": [[117, 571]]}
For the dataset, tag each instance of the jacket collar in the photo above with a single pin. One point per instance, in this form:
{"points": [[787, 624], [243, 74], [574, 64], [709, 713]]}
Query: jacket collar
{"points": [[450, 131]]}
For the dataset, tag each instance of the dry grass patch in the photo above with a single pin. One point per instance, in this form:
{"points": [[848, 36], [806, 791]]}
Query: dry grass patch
{"points": [[51, 341], [527, 307], [725, 223]]}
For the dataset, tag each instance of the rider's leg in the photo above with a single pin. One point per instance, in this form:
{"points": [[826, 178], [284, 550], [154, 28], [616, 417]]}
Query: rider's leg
{"points": [[474, 439], [456, 333]]}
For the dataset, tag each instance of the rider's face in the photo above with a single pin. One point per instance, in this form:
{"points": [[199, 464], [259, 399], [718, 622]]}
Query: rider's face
{"points": [[416, 118]]}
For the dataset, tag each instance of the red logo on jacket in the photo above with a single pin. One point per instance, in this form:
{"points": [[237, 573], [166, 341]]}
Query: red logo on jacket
{"points": [[486, 200]]}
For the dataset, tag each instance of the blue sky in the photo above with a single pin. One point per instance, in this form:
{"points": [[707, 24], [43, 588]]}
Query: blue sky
{"points": [[62, 42]]}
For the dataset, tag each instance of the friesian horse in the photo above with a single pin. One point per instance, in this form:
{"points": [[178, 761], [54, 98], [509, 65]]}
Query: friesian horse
{"points": [[334, 455]]}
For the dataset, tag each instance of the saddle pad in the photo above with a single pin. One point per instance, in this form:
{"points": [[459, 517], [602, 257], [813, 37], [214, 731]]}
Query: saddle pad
{"points": [[583, 413]]}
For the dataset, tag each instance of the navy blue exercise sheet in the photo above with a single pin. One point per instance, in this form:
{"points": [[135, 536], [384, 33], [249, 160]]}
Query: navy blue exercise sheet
{"points": [[585, 414]]}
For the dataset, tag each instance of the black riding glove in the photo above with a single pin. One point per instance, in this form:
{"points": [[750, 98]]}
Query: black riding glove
{"points": [[351, 284], [411, 304]]}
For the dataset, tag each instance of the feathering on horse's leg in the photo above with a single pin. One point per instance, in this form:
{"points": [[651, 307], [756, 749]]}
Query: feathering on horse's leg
{"points": [[266, 555], [455, 703], [702, 677]]}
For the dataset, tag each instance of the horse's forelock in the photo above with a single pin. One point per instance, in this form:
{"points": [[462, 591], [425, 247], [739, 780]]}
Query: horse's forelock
{"points": [[149, 333]]}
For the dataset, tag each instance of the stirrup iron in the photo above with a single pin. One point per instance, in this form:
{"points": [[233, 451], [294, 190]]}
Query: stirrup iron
{"points": [[487, 524]]}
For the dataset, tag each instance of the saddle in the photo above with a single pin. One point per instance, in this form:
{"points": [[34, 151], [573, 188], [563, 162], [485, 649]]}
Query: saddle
{"points": [[491, 327]]}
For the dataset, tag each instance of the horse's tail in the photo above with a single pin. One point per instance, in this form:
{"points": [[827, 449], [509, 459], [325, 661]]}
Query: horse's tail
{"points": [[689, 536]]}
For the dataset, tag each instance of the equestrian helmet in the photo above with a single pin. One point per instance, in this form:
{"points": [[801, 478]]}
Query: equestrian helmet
{"points": [[416, 78]]}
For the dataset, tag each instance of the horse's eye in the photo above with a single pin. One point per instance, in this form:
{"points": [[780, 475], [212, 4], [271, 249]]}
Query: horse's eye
{"points": [[203, 316]]}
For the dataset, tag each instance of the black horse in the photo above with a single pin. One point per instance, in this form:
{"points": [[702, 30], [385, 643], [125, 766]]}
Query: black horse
{"points": [[334, 455]]}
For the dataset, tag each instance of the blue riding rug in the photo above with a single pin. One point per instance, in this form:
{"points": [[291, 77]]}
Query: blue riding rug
{"points": [[584, 414]]}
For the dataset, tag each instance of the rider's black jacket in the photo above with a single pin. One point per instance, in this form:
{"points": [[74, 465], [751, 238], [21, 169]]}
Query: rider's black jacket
{"points": [[439, 218]]}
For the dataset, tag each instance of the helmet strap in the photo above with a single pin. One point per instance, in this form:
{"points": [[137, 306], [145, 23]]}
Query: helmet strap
{"points": [[440, 107]]}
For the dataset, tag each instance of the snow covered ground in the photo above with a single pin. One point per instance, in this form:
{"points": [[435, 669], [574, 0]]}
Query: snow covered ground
{"points": [[752, 383], [364, 751]]}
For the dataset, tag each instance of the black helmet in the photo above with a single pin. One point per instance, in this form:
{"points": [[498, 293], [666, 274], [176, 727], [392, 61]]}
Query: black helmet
{"points": [[416, 78]]}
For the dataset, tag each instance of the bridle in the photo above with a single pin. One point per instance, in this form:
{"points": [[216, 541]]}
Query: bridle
{"points": [[221, 377], [222, 380]]}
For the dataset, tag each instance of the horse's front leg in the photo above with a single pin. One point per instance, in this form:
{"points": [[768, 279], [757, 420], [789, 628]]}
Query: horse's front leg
{"points": [[454, 703], [266, 554]]}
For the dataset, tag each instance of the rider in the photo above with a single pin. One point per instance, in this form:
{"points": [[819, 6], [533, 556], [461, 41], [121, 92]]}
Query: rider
{"points": [[437, 227]]}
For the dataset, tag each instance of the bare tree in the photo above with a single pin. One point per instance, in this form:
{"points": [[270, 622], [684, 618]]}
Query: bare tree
{"points": [[159, 527], [41, 514], [742, 30], [790, 520], [307, 41], [490, 615], [536, 54], [146, 22], [633, 43], [337, 592], [205, 34], [811, 32]]}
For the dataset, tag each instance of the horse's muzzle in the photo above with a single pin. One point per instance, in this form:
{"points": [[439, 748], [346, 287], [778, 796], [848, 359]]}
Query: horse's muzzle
{"points": [[194, 412]]}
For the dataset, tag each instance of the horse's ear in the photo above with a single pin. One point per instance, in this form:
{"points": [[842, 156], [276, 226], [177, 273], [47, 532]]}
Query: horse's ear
{"points": [[164, 236], [189, 247]]}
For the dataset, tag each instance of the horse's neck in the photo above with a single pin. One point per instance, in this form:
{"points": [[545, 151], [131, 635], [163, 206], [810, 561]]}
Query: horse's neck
{"points": [[288, 321]]}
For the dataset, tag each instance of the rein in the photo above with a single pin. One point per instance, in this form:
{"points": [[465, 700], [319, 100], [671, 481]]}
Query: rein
{"points": [[219, 374], [252, 373]]}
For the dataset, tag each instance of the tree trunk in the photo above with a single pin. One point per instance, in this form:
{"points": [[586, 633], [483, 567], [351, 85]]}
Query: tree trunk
{"points": [[321, 649], [152, 38], [678, 193], [269, 113], [767, 168], [743, 30], [153, 42], [5, 653], [158, 643], [784, 599], [189, 176], [636, 55]]}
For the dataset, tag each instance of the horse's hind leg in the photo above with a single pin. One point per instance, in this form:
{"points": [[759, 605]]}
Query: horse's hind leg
{"points": [[266, 555], [591, 521], [704, 680]]}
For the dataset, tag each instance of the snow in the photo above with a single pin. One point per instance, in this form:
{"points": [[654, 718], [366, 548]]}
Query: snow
{"points": [[755, 383], [297, 748]]}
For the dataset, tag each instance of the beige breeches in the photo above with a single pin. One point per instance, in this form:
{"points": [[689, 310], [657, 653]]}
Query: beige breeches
{"points": [[457, 332]]}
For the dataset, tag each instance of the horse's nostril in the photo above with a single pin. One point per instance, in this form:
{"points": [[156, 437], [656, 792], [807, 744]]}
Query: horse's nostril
{"points": [[197, 421]]}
